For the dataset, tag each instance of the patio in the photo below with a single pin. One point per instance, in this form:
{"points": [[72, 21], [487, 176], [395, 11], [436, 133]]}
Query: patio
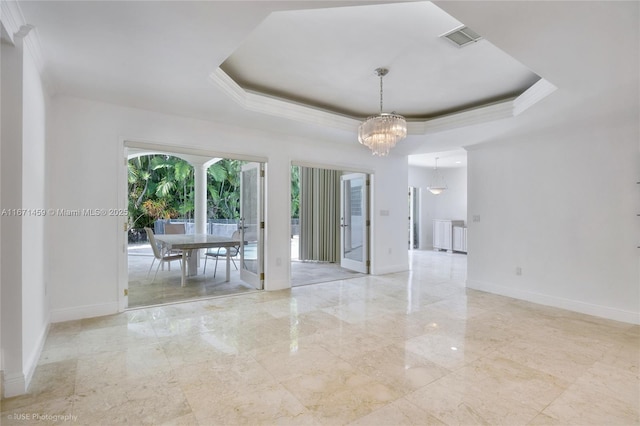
{"points": [[145, 291]]}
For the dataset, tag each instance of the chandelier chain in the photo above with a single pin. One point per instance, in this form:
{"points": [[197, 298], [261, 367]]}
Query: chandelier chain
{"points": [[381, 75]]}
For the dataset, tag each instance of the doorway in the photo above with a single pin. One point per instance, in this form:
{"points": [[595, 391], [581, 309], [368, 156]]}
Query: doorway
{"points": [[414, 218], [321, 221], [224, 195]]}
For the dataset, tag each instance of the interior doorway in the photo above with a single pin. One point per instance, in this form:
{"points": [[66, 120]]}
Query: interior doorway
{"points": [[414, 218], [319, 222], [220, 197]]}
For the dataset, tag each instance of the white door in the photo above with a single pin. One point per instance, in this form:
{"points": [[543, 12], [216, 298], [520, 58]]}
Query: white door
{"points": [[354, 222], [251, 224]]}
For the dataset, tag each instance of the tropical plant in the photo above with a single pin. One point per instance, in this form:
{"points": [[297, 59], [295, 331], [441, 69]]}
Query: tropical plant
{"points": [[162, 187], [295, 192], [223, 184]]}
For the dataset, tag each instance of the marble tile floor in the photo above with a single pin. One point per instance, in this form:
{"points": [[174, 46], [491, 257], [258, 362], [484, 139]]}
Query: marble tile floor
{"points": [[401, 349], [305, 273]]}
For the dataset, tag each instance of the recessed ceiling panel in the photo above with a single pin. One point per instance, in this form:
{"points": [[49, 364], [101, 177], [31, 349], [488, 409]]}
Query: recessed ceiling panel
{"points": [[326, 58]]}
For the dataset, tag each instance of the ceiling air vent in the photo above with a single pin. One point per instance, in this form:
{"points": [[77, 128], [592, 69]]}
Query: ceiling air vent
{"points": [[462, 36]]}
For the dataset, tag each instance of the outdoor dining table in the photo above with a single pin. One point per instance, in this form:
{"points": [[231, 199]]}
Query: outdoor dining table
{"points": [[190, 242]]}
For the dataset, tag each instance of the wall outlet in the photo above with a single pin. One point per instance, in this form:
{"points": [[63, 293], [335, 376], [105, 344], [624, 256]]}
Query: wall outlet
{"points": [[518, 270], [476, 218]]}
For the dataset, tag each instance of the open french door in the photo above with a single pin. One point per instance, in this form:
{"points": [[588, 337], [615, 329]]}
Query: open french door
{"points": [[354, 222], [252, 224]]}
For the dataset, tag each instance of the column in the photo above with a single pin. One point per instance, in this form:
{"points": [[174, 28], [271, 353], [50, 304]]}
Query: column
{"points": [[200, 183], [200, 213]]}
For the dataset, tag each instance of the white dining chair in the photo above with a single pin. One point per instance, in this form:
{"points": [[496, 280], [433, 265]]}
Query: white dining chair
{"points": [[160, 254], [175, 228], [222, 252]]}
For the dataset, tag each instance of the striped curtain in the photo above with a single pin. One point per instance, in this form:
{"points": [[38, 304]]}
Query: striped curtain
{"points": [[319, 214]]}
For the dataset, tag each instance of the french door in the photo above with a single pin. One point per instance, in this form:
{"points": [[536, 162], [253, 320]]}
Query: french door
{"points": [[252, 224], [354, 222]]}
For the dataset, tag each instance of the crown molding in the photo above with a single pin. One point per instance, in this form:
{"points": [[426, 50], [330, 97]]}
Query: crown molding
{"points": [[470, 117], [258, 102], [534, 94], [11, 17], [279, 107], [15, 24]]}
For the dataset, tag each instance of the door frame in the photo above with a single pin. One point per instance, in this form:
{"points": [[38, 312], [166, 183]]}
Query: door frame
{"points": [[370, 216], [155, 147]]}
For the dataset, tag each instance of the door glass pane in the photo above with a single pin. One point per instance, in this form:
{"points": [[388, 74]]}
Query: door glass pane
{"points": [[250, 214], [354, 217]]}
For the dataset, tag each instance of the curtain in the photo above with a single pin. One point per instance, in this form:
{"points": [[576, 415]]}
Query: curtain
{"points": [[319, 214]]}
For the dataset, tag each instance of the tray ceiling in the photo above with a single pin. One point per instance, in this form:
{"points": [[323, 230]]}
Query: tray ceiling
{"points": [[325, 59]]}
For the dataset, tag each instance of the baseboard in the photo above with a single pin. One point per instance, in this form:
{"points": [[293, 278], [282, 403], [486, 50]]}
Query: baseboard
{"points": [[558, 302], [34, 357], [18, 383], [13, 384], [81, 312], [275, 285], [391, 269]]}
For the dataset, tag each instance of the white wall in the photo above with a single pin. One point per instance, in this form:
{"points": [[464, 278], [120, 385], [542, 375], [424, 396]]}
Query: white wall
{"points": [[25, 311], [562, 206], [451, 204], [35, 307], [13, 377], [84, 157]]}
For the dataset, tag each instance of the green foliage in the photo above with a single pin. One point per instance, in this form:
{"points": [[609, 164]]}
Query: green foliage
{"points": [[158, 209], [295, 192], [162, 187], [223, 185]]}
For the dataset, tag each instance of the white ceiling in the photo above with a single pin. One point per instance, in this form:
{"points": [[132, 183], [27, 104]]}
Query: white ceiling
{"points": [[289, 55], [446, 160], [158, 55]]}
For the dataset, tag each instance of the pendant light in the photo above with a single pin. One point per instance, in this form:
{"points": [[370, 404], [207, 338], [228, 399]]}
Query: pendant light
{"points": [[439, 185], [381, 132]]}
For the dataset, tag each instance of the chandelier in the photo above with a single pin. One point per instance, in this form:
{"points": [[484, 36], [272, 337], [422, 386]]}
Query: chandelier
{"points": [[437, 187], [381, 132]]}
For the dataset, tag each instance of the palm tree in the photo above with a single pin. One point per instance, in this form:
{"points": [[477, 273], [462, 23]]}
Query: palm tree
{"points": [[176, 183], [162, 186], [223, 184]]}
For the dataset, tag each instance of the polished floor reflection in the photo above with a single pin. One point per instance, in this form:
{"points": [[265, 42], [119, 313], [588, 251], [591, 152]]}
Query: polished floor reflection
{"points": [[406, 348]]}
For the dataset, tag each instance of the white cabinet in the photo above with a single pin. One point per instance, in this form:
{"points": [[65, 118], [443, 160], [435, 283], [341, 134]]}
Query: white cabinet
{"points": [[443, 233], [460, 239]]}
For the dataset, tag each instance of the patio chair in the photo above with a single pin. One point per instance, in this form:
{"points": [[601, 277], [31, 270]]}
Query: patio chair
{"points": [[175, 228], [160, 254], [222, 252]]}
